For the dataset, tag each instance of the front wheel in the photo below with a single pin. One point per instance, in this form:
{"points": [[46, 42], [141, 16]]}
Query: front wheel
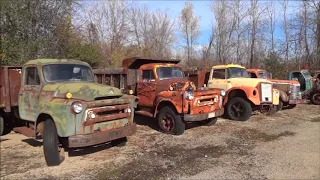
{"points": [[51, 146], [170, 122], [238, 109], [280, 106], [315, 98]]}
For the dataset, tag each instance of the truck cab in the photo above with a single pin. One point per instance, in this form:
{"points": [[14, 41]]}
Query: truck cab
{"points": [[167, 95], [244, 94], [310, 86], [290, 94], [60, 102]]}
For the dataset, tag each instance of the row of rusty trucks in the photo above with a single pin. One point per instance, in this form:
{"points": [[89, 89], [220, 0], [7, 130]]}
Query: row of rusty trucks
{"points": [[60, 101]]}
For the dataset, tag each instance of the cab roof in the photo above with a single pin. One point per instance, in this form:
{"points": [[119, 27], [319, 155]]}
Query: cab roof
{"points": [[55, 61], [227, 66]]}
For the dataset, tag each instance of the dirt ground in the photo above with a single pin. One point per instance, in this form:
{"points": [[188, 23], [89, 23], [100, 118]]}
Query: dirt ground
{"points": [[283, 146]]}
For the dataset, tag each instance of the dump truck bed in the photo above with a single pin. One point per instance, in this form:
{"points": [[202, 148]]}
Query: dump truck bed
{"points": [[10, 82]]}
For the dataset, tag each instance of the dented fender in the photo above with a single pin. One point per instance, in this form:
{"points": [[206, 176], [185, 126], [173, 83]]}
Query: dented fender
{"points": [[173, 97]]}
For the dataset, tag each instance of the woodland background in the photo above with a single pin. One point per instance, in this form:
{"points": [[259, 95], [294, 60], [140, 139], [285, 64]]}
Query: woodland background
{"points": [[103, 33]]}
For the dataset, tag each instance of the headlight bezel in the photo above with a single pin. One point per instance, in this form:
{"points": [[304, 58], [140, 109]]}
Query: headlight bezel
{"points": [[77, 107], [223, 92], [189, 95]]}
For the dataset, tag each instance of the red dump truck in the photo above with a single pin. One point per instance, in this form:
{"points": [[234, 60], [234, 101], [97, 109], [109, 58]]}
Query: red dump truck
{"points": [[164, 93]]}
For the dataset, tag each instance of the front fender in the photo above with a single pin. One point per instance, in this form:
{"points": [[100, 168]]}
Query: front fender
{"points": [[283, 95], [174, 97], [251, 93], [64, 119]]}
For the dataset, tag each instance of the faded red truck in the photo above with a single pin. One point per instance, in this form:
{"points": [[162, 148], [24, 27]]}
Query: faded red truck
{"points": [[165, 93]]}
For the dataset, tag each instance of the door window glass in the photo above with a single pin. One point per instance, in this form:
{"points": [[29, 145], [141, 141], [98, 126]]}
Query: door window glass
{"points": [[218, 74], [32, 76], [147, 75]]}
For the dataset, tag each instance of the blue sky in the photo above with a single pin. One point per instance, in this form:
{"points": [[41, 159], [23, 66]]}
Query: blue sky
{"points": [[202, 9]]}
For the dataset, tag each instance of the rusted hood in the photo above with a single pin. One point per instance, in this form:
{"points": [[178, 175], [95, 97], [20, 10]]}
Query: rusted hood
{"points": [[82, 90], [177, 84]]}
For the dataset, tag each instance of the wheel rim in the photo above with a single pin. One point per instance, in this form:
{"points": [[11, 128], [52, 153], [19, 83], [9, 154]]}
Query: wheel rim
{"points": [[237, 110], [167, 122]]}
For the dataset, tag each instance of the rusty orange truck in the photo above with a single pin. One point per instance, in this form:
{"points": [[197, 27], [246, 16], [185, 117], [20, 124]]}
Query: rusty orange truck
{"points": [[58, 101], [165, 93], [290, 94]]}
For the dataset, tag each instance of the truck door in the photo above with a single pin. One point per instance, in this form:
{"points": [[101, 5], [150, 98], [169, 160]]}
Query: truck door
{"points": [[146, 90], [29, 94], [218, 79]]}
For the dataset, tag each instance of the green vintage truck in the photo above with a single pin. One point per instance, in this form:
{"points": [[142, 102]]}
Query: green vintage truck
{"points": [[57, 100]]}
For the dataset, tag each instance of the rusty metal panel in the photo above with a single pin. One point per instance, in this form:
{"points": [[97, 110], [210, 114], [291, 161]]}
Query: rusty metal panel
{"points": [[10, 81]]}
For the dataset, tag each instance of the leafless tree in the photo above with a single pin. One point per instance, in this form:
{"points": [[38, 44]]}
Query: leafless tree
{"points": [[189, 25]]}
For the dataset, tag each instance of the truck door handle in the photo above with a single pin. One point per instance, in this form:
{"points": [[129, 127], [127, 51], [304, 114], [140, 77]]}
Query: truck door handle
{"points": [[20, 94], [210, 83]]}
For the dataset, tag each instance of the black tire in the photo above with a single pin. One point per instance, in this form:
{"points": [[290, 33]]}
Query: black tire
{"points": [[272, 110], [291, 106], [5, 126], [280, 106], [315, 98], [170, 122], [209, 122], [238, 109], [119, 142], [51, 144]]}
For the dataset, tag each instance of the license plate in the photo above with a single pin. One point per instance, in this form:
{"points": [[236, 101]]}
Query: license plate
{"points": [[212, 114]]}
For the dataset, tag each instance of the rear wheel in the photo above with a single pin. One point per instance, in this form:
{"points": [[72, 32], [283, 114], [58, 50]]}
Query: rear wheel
{"points": [[315, 98], [170, 122], [238, 109], [53, 153]]}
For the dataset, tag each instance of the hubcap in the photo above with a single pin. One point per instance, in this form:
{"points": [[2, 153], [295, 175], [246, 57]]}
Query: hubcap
{"points": [[237, 110], [167, 122]]}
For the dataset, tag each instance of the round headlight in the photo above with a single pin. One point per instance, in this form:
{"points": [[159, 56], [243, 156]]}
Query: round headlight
{"points": [[189, 95], [128, 110], [77, 107], [223, 92]]}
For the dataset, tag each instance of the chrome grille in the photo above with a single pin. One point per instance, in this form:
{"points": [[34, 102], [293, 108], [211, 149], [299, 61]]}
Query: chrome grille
{"points": [[295, 92]]}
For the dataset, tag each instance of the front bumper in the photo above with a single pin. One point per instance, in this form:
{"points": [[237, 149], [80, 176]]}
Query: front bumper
{"points": [[298, 101], [91, 139], [203, 116]]}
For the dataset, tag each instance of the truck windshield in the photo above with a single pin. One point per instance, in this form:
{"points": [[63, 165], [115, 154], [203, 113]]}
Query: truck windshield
{"points": [[264, 75], [169, 73], [235, 72], [67, 72], [306, 74]]}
